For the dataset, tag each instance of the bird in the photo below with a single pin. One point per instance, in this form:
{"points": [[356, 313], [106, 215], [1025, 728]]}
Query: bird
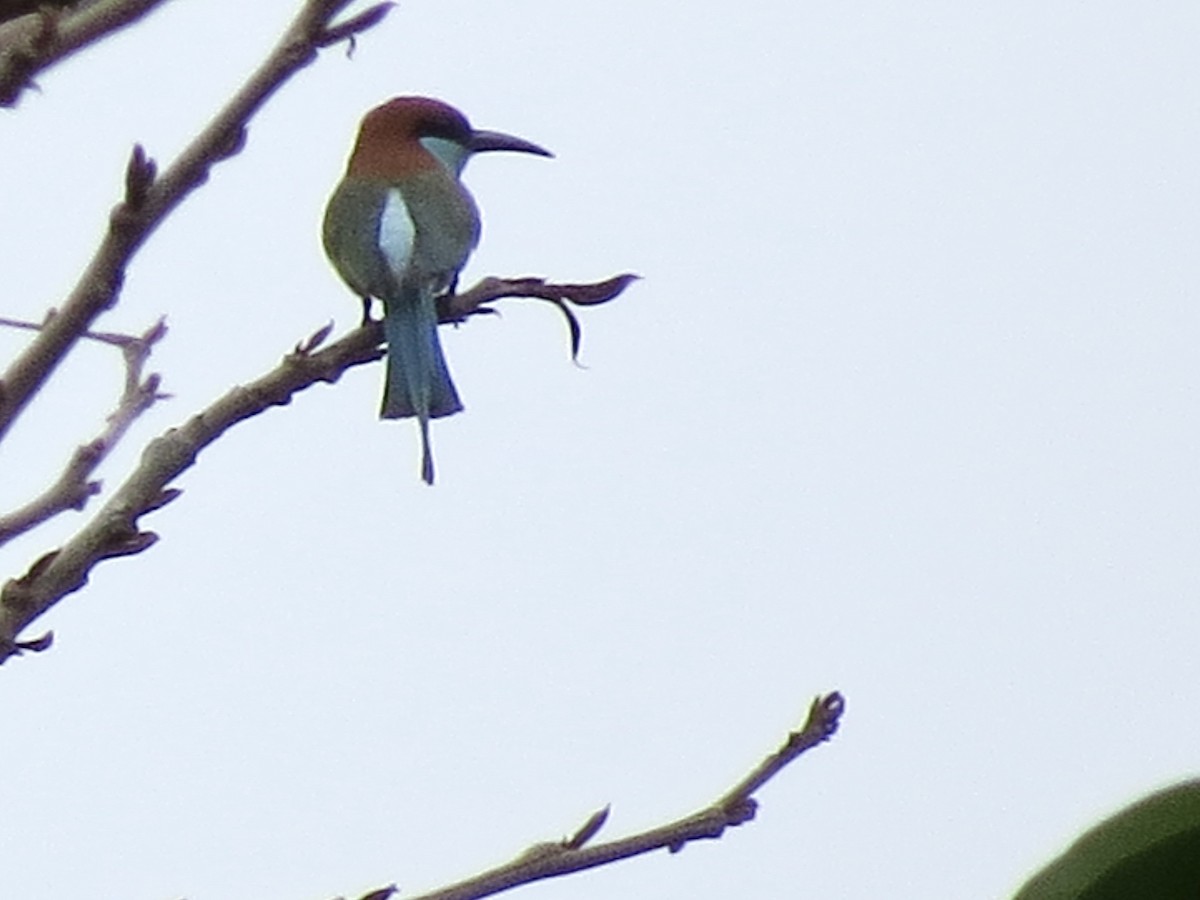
{"points": [[399, 227]]}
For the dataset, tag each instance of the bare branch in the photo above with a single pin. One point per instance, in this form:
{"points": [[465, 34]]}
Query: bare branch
{"points": [[104, 337], [150, 198], [35, 42], [73, 488], [458, 307], [115, 530], [736, 807]]}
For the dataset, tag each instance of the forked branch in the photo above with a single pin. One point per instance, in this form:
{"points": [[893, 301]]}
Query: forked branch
{"points": [[115, 531], [150, 197], [74, 486]]}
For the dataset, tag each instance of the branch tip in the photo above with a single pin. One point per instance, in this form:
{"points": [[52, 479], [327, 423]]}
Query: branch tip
{"points": [[824, 716], [156, 332], [140, 173], [353, 26], [600, 291]]}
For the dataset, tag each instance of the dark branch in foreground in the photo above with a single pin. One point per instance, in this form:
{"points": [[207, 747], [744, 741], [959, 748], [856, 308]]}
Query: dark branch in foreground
{"points": [[35, 42], [571, 854], [115, 530], [150, 197]]}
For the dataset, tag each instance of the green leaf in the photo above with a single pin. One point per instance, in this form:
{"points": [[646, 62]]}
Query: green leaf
{"points": [[1147, 851]]}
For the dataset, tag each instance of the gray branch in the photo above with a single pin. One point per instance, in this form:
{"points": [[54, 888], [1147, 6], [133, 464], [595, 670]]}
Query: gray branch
{"points": [[735, 807], [33, 43], [74, 487], [150, 198], [115, 531]]}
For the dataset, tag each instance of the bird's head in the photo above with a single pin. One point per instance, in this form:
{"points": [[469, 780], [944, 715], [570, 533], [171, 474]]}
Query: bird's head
{"points": [[401, 135]]}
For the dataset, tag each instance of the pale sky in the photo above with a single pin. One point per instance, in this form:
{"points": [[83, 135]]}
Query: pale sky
{"points": [[905, 406]]}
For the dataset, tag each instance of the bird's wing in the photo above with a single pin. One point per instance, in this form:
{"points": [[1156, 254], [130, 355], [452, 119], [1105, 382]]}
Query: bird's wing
{"points": [[356, 222], [446, 226]]}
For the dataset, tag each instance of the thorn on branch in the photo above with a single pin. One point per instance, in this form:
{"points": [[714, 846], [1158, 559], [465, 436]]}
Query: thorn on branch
{"points": [[314, 340], [37, 645], [381, 894], [155, 332], [10, 647], [165, 496], [589, 829], [130, 544]]}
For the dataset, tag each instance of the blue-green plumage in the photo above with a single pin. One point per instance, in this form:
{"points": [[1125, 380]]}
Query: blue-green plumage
{"points": [[398, 228], [418, 382], [403, 246]]}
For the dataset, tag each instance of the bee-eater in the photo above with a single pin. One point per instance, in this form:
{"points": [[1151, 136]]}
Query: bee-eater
{"points": [[399, 227]]}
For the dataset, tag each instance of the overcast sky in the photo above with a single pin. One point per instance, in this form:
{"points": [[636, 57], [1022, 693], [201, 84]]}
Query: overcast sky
{"points": [[905, 406]]}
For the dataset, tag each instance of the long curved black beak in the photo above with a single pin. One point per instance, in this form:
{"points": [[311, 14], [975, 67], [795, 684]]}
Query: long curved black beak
{"points": [[485, 141]]}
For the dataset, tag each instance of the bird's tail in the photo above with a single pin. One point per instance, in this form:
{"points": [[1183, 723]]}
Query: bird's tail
{"points": [[418, 382]]}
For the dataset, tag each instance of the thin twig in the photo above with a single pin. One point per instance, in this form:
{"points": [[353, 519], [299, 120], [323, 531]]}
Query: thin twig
{"points": [[735, 807], [73, 488], [115, 530], [115, 338], [149, 198]]}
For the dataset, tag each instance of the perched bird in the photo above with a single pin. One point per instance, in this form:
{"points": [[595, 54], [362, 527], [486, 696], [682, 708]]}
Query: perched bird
{"points": [[398, 228]]}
